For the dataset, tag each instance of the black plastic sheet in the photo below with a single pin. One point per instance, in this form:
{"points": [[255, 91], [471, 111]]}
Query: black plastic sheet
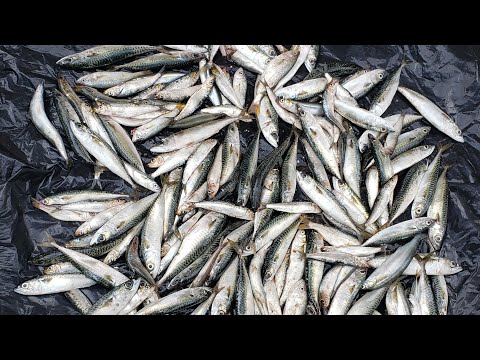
{"points": [[31, 167]]}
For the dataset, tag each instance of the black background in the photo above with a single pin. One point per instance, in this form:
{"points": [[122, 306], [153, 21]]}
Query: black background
{"points": [[31, 166]]}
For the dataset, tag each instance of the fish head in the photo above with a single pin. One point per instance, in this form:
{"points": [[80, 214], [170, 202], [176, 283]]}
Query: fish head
{"points": [[201, 292], [426, 222], [28, 287], [378, 75], [453, 267]]}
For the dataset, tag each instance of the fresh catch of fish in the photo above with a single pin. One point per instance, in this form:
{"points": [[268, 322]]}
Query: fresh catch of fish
{"points": [[346, 213]]}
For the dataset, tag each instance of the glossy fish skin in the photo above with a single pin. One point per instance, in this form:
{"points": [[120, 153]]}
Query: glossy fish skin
{"points": [[272, 229], [400, 231], [285, 115], [408, 190], [312, 57], [360, 83], [230, 152], [324, 199], [156, 61], [351, 162], [194, 243], [103, 55], [133, 86], [191, 136], [135, 264], [79, 300], [339, 257], [383, 199], [346, 292], [296, 302], [302, 56], [427, 186], [140, 178], [320, 143], [255, 275], [277, 251], [123, 144], [396, 301], [264, 168], [313, 272], [240, 86], [440, 292], [122, 244], [168, 161], [268, 121], [224, 85], [362, 117], [434, 265], [63, 215], [244, 300], [394, 266], [296, 267], [300, 207], [272, 298], [66, 112], [173, 188], [367, 304], [91, 267], [98, 220], [387, 89], [144, 292], [278, 67], [247, 170], [197, 157], [315, 164], [100, 150], [107, 79], [204, 72], [53, 284], [124, 220], [43, 124], [332, 235], [302, 90], [177, 301], [152, 235], [438, 210], [423, 292], [226, 208], [116, 299], [61, 268], [433, 114], [194, 120], [411, 157], [410, 139], [288, 179], [382, 161], [153, 127], [214, 174]]}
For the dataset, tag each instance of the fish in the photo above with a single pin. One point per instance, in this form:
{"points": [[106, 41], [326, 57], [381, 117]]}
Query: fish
{"points": [[43, 123], [433, 114], [116, 299]]}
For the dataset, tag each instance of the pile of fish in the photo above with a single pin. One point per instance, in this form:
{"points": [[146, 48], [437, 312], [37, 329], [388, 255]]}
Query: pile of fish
{"points": [[214, 227]]}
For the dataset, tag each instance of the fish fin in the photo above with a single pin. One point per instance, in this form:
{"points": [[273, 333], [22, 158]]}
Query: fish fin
{"points": [[235, 247], [49, 241], [35, 203], [304, 224], [406, 61], [443, 147], [136, 193]]}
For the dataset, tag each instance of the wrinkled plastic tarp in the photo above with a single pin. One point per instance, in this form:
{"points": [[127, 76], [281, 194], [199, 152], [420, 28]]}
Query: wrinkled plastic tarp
{"points": [[31, 167]]}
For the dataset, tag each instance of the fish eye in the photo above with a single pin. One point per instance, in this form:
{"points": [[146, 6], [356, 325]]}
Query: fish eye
{"points": [[453, 264], [25, 285], [129, 285], [437, 238], [312, 61], [192, 295], [418, 210], [363, 271], [268, 274], [429, 222], [150, 266], [383, 129], [425, 130], [301, 112], [459, 132], [426, 147], [380, 76]]}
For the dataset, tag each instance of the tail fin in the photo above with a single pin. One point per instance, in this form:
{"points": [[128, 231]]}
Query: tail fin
{"points": [[48, 242], [443, 147]]}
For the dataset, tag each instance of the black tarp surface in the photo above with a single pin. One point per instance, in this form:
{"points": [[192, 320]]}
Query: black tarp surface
{"points": [[31, 166]]}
